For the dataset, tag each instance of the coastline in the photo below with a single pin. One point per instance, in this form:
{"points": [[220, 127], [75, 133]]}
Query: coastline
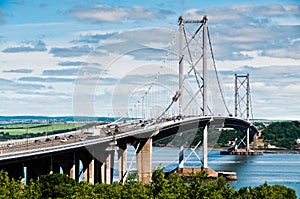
{"points": [[279, 151], [274, 151], [284, 151]]}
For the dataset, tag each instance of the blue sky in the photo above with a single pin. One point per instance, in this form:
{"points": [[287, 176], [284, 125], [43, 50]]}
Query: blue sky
{"points": [[81, 57]]}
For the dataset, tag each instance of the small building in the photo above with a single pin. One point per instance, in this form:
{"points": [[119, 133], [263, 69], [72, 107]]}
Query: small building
{"points": [[271, 146]]}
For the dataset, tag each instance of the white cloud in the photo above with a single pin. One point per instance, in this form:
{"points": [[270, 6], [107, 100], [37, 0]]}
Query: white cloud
{"points": [[260, 40], [104, 13]]}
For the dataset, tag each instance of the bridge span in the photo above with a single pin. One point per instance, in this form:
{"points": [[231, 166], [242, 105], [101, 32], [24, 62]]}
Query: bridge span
{"points": [[97, 152]]}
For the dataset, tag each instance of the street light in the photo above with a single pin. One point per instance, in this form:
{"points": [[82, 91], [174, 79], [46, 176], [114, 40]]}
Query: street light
{"points": [[27, 136]]}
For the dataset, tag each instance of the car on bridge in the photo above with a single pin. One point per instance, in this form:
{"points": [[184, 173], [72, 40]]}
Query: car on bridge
{"points": [[63, 140], [37, 141], [71, 136], [10, 145]]}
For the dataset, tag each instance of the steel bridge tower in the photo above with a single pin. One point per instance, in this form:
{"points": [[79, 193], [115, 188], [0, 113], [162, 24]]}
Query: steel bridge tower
{"points": [[242, 101], [242, 96], [181, 23]]}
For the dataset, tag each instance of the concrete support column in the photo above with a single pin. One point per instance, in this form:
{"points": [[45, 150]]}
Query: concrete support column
{"points": [[72, 172], [107, 168], [97, 171], [205, 140], [144, 161], [181, 151], [102, 172], [255, 141], [72, 169], [91, 171], [88, 174], [248, 138], [122, 161]]}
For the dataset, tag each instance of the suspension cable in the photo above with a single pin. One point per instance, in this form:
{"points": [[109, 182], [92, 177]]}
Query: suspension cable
{"points": [[153, 83], [217, 76], [193, 36], [250, 102], [124, 177], [193, 68]]}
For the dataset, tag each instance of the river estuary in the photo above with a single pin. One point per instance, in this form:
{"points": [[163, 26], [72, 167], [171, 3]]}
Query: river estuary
{"points": [[251, 170]]}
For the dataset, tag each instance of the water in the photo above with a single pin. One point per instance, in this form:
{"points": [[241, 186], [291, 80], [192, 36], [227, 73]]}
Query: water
{"points": [[252, 171]]}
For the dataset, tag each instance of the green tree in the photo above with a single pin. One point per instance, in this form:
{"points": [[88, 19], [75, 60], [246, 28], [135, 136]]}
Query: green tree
{"points": [[203, 187], [32, 190], [107, 191], [133, 189], [272, 192], [9, 187], [282, 134], [84, 190], [57, 185]]}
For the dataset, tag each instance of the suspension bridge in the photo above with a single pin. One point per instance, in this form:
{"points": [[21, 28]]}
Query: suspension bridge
{"points": [[198, 102]]}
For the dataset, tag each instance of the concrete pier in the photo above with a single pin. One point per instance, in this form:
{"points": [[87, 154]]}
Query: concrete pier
{"points": [[144, 161], [122, 161], [211, 173]]}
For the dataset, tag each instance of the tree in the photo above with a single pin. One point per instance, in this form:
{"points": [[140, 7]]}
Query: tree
{"points": [[9, 187], [272, 192], [32, 190], [133, 189], [282, 134], [57, 185], [197, 185]]}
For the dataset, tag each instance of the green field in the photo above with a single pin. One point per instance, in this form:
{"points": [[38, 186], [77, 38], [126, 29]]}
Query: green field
{"points": [[20, 130]]}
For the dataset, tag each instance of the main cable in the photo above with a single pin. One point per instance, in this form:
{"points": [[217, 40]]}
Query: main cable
{"points": [[217, 76]]}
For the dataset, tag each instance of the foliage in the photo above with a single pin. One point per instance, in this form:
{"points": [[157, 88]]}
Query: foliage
{"points": [[197, 185], [192, 137], [9, 188], [267, 191], [56, 185], [282, 134]]}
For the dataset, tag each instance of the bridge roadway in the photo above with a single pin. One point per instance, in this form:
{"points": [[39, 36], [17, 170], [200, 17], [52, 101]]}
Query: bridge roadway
{"points": [[100, 134], [130, 132]]}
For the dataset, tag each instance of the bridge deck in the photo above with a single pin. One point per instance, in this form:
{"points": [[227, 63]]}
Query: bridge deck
{"points": [[104, 134]]}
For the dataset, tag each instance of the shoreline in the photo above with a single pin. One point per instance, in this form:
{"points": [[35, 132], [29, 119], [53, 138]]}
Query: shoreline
{"points": [[279, 151], [282, 151], [274, 151]]}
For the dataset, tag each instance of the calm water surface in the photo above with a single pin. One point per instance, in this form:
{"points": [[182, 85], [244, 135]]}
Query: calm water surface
{"points": [[251, 170]]}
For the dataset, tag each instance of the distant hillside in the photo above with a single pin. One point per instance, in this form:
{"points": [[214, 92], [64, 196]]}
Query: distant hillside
{"points": [[282, 134], [38, 119]]}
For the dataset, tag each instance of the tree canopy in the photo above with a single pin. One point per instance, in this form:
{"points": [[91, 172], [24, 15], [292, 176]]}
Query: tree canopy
{"points": [[282, 134], [197, 185]]}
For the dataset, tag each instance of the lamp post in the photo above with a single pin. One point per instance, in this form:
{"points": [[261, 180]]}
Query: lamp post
{"points": [[27, 136]]}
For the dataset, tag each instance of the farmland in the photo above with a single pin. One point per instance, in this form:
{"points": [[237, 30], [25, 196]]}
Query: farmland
{"points": [[17, 131]]}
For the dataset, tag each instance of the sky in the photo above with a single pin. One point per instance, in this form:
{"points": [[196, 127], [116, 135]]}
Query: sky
{"points": [[98, 58]]}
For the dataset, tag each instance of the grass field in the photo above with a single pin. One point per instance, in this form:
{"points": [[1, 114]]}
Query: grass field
{"points": [[23, 129]]}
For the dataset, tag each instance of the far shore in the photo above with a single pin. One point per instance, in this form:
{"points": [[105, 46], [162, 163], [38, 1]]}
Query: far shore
{"points": [[282, 151], [287, 151]]}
